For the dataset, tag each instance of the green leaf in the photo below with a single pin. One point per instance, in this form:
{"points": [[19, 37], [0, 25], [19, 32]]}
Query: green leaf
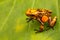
{"points": [[13, 25]]}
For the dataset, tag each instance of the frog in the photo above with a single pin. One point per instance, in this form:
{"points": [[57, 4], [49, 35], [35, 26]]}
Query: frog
{"points": [[42, 16]]}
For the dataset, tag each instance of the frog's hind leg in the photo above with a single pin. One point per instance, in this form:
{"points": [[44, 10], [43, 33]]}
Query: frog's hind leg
{"points": [[52, 22]]}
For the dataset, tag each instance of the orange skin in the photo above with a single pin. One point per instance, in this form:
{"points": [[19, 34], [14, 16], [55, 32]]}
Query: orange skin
{"points": [[41, 15]]}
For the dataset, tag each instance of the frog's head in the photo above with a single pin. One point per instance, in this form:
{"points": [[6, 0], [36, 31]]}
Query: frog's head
{"points": [[31, 13]]}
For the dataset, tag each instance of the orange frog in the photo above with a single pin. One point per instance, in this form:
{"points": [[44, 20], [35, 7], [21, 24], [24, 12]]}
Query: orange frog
{"points": [[41, 15]]}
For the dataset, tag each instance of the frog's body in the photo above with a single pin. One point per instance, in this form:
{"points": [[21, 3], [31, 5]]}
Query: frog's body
{"points": [[41, 15]]}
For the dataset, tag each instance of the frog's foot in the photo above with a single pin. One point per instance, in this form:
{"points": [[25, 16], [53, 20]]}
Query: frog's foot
{"points": [[40, 29]]}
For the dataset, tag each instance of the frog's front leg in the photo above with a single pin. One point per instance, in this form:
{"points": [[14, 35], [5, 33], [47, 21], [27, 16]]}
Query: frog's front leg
{"points": [[52, 21], [42, 25], [29, 19], [38, 19], [41, 28]]}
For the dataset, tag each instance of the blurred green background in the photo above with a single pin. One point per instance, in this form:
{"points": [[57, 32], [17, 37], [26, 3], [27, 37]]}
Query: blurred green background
{"points": [[13, 24]]}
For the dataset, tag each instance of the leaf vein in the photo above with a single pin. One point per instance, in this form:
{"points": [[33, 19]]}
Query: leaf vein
{"points": [[6, 19]]}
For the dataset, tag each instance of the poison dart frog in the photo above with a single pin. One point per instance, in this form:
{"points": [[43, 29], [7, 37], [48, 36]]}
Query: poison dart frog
{"points": [[42, 16]]}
